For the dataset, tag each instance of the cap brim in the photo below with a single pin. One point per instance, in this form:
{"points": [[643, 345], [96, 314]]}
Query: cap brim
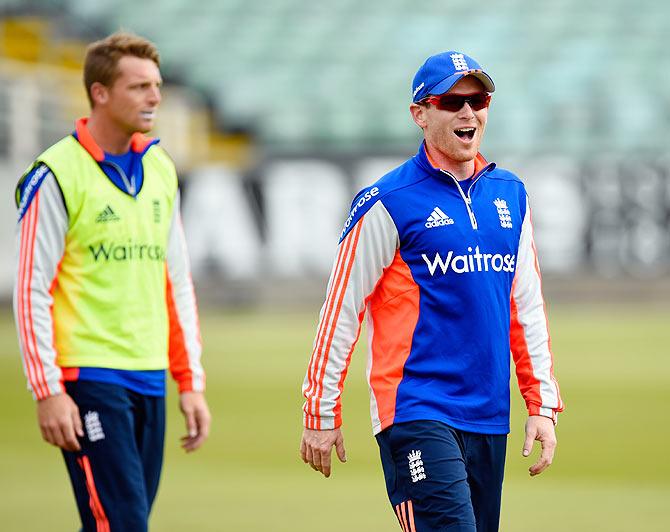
{"points": [[446, 84]]}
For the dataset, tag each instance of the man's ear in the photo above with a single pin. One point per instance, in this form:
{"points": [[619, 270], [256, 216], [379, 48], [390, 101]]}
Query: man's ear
{"points": [[99, 94], [418, 113]]}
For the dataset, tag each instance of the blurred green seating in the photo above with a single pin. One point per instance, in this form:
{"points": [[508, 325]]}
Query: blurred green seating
{"points": [[573, 75]]}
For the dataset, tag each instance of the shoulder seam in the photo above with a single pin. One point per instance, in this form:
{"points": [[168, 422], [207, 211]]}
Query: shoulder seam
{"points": [[58, 186], [513, 178], [395, 189], [18, 198], [60, 191]]}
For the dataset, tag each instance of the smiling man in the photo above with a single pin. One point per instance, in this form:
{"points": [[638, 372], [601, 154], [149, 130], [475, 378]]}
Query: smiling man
{"points": [[103, 298], [439, 254]]}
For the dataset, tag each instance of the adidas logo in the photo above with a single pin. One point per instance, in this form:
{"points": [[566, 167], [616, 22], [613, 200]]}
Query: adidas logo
{"points": [[107, 215], [437, 218]]}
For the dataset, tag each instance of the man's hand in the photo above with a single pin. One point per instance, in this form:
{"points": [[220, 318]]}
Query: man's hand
{"points": [[540, 428], [196, 413], [59, 421], [316, 447]]}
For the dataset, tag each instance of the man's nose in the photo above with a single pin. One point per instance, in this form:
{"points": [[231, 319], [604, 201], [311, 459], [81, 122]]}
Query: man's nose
{"points": [[155, 95]]}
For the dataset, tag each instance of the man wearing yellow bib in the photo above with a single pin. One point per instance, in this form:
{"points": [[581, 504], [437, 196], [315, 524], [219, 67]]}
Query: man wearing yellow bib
{"points": [[103, 298]]}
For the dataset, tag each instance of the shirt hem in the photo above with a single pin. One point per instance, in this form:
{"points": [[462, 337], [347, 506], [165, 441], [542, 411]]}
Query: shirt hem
{"points": [[82, 362], [479, 428], [128, 386]]}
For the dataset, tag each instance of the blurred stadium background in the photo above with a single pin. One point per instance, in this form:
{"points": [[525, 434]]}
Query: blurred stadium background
{"points": [[276, 112]]}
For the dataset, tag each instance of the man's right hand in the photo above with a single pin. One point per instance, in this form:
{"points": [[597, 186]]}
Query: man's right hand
{"points": [[59, 421], [316, 447]]}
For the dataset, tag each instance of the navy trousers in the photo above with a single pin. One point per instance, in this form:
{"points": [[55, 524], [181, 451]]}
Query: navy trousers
{"points": [[115, 475], [440, 478]]}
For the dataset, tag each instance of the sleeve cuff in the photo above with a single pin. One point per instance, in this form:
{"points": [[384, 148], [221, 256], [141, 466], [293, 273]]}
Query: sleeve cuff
{"points": [[47, 389], [319, 422], [59, 389], [186, 385], [189, 381], [535, 410]]}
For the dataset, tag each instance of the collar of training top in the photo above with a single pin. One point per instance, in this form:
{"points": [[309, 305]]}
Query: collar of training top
{"points": [[139, 143]]}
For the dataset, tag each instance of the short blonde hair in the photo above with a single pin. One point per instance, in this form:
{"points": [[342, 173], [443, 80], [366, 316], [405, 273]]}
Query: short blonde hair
{"points": [[102, 57]]}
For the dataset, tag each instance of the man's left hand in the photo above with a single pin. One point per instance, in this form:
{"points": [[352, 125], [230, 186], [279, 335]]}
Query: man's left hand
{"points": [[196, 413], [540, 428]]}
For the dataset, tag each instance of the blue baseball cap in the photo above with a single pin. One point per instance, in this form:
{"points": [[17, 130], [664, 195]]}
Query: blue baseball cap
{"points": [[440, 72]]}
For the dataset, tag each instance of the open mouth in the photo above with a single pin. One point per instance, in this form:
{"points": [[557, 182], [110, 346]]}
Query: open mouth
{"points": [[465, 133], [148, 115]]}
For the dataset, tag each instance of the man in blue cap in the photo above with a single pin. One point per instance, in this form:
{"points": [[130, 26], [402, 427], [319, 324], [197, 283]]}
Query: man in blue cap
{"points": [[439, 253]]}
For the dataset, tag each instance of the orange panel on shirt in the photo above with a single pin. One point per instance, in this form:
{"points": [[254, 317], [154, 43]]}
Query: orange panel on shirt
{"points": [[177, 351], [394, 310], [528, 383]]}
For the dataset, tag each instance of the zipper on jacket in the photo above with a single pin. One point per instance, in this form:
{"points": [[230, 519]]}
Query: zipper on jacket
{"points": [[128, 183], [466, 198]]}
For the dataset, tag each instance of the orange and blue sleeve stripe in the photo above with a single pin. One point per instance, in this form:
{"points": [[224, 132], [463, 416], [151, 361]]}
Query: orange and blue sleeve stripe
{"points": [[367, 248], [530, 341], [40, 241], [184, 342]]}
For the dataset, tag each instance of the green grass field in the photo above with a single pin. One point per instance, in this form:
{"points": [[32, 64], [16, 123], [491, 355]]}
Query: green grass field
{"points": [[611, 472]]}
